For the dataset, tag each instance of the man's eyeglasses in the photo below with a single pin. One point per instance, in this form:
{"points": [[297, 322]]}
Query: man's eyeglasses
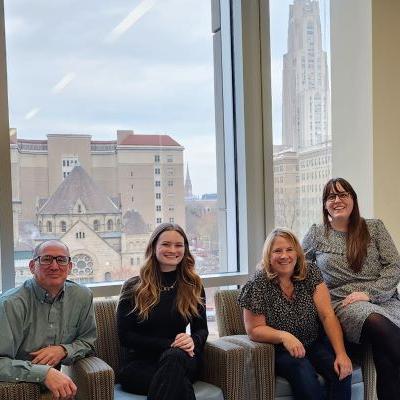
{"points": [[342, 196], [47, 259]]}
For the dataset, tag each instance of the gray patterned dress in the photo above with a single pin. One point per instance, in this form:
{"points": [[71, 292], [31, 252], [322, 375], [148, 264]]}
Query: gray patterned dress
{"points": [[379, 276]]}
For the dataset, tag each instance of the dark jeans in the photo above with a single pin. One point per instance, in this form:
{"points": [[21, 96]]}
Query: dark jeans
{"points": [[168, 378], [302, 373]]}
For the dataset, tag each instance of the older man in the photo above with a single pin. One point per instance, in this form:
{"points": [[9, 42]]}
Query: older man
{"points": [[46, 322]]}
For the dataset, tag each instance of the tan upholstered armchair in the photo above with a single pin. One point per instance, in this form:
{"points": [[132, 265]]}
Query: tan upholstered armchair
{"points": [[260, 357], [87, 373]]}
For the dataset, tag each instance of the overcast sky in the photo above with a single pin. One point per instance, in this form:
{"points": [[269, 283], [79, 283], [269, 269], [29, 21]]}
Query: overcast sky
{"points": [[95, 66]]}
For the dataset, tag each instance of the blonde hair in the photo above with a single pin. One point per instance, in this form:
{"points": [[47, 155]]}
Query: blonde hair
{"points": [[300, 268], [145, 291]]}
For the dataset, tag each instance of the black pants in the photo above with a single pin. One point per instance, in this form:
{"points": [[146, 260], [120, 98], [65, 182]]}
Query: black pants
{"points": [[168, 378]]}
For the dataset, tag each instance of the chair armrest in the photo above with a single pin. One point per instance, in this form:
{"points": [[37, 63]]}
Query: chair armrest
{"points": [[260, 365], [19, 391], [93, 377], [223, 364], [369, 374]]}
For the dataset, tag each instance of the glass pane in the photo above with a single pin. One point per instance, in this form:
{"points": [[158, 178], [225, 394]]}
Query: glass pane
{"points": [[112, 116], [301, 110]]}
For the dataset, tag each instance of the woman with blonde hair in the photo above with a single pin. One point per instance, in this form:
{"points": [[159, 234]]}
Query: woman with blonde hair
{"points": [[284, 304], [153, 313]]}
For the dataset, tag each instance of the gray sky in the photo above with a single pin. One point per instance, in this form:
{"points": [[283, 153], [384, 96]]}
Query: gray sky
{"points": [[95, 66]]}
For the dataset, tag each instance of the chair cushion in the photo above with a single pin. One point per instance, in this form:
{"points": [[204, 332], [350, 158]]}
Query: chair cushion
{"points": [[283, 389], [202, 390]]}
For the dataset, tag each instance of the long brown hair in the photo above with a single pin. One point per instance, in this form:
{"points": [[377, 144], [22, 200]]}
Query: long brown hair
{"points": [[300, 268], [145, 291], [358, 236]]}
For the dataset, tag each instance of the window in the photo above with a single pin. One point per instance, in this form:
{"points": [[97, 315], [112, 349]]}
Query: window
{"points": [[300, 109], [172, 220], [116, 160], [63, 226], [110, 225], [82, 268], [158, 208], [68, 164]]}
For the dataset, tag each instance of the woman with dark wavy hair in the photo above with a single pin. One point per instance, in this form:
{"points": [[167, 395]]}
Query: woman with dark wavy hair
{"points": [[361, 267], [153, 313]]}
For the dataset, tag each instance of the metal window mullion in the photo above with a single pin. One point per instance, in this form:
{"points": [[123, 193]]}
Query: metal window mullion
{"points": [[6, 214]]}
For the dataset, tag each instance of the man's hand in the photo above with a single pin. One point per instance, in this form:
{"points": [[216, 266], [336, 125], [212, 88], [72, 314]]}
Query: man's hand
{"points": [[185, 342], [60, 385], [50, 355]]}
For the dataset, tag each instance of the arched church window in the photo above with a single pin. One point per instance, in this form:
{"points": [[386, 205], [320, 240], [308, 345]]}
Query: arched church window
{"points": [[63, 226]]}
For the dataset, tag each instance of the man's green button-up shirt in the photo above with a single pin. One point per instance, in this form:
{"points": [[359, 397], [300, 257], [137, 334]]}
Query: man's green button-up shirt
{"points": [[31, 320]]}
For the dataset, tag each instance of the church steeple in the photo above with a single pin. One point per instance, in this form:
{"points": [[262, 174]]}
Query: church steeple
{"points": [[188, 184]]}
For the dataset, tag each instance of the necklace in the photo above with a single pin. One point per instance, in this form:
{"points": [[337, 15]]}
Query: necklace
{"points": [[167, 288]]}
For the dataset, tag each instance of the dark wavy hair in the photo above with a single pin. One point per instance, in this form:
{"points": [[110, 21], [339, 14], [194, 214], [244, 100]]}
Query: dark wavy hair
{"points": [[145, 291], [358, 236]]}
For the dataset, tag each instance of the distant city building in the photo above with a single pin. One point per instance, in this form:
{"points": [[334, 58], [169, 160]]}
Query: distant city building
{"points": [[83, 191], [305, 94], [188, 185], [202, 231], [302, 164]]}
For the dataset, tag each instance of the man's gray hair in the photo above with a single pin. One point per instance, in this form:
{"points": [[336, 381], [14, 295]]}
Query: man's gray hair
{"points": [[37, 248]]}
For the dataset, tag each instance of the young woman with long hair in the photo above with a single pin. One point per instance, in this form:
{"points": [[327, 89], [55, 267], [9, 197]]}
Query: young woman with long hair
{"points": [[284, 304], [361, 266], [153, 313]]}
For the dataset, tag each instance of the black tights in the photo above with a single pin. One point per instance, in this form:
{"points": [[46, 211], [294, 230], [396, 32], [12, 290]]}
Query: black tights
{"points": [[384, 337]]}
